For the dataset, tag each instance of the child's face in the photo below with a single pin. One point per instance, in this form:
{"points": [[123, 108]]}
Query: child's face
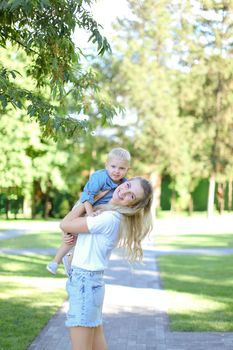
{"points": [[117, 168]]}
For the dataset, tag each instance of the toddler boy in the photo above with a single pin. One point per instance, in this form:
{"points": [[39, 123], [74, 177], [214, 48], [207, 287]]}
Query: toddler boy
{"points": [[103, 181]]}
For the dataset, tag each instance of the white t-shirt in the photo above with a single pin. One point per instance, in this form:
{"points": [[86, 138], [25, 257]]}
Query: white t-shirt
{"points": [[93, 249]]}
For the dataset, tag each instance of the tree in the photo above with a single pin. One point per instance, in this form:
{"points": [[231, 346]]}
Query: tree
{"points": [[43, 31], [149, 87], [207, 56], [15, 165]]}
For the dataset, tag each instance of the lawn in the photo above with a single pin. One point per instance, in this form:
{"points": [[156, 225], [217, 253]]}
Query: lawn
{"points": [[199, 291], [29, 295], [199, 287], [33, 240], [197, 240]]}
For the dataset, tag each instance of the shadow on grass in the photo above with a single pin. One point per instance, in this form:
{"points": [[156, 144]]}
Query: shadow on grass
{"points": [[26, 266], [22, 320], [29, 298]]}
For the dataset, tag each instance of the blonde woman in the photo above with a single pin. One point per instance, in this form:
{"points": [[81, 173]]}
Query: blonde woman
{"points": [[126, 220]]}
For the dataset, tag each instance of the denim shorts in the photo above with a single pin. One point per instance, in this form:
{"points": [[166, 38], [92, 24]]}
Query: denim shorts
{"points": [[86, 295]]}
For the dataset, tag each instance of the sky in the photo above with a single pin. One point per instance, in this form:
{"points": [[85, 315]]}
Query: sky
{"points": [[105, 12]]}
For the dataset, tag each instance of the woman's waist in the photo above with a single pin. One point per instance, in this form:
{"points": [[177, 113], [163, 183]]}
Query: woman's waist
{"points": [[87, 270]]}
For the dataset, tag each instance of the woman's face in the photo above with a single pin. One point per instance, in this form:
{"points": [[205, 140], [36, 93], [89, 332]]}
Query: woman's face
{"points": [[128, 194]]}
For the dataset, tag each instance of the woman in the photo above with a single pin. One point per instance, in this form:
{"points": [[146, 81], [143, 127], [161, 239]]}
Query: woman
{"points": [[126, 219]]}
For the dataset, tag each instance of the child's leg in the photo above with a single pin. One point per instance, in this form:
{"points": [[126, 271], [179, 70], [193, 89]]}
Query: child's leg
{"points": [[61, 252], [64, 249]]}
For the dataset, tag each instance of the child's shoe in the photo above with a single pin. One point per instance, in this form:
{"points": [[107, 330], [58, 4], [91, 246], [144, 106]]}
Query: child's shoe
{"points": [[67, 264], [52, 267]]}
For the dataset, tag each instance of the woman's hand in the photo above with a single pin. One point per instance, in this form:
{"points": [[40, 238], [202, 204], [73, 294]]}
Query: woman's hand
{"points": [[69, 239], [95, 213]]}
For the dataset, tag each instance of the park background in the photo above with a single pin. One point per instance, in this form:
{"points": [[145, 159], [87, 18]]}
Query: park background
{"points": [[158, 84], [164, 93]]}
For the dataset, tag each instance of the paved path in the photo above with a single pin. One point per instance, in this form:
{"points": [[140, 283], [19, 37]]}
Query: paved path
{"points": [[193, 251]]}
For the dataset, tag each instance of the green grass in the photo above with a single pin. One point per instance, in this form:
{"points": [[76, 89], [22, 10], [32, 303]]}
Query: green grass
{"points": [[33, 240], [29, 297], [199, 288], [22, 218], [179, 241], [199, 291]]}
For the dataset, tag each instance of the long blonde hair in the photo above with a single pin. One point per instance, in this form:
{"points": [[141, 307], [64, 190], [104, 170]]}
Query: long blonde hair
{"points": [[136, 222]]}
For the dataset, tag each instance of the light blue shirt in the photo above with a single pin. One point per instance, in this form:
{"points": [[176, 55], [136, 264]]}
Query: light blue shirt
{"points": [[99, 181]]}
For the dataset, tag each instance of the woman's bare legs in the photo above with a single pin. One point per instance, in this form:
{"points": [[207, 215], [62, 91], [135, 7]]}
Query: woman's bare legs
{"points": [[99, 341], [82, 338], [87, 338]]}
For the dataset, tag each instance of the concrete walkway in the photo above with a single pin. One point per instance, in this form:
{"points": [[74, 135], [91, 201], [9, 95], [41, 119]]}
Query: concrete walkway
{"points": [[193, 251]]}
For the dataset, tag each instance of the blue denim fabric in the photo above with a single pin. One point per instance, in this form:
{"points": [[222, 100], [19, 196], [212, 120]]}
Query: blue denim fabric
{"points": [[86, 295]]}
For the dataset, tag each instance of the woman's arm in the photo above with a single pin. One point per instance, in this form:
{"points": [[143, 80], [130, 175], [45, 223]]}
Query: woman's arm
{"points": [[74, 224]]}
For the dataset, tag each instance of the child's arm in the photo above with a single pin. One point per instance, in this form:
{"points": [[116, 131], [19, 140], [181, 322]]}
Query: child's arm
{"points": [[91, 189], [88, 207], [80, 209]]}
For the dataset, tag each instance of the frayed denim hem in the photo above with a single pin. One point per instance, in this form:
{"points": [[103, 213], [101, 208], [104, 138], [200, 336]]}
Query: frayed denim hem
{"points": [[80, 324]]}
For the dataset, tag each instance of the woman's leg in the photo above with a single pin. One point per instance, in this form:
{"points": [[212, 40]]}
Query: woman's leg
{"points": [[82, 338], [99, 341]]}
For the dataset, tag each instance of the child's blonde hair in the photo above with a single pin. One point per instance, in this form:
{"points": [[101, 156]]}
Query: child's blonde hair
{"points": [[119, 153], [136, 222]]}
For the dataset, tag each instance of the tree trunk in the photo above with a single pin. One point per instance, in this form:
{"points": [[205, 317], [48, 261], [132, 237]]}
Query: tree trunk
{"points": [[210, 208], [47, 206], [173, 200], [47, 201], [229, 199], [220, 197], [27, 207], [7, 208], [33, 207], [190, 205], [156, 181]]}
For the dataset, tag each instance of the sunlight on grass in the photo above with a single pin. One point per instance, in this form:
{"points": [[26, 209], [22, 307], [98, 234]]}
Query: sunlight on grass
{"points": [[195, 279], [46, 239], [199, 292], [176, 241], [29, 285], [186, 303]]}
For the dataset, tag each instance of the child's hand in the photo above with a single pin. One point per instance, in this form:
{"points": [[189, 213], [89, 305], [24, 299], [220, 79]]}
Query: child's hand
{"points": [[95, 213]]}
